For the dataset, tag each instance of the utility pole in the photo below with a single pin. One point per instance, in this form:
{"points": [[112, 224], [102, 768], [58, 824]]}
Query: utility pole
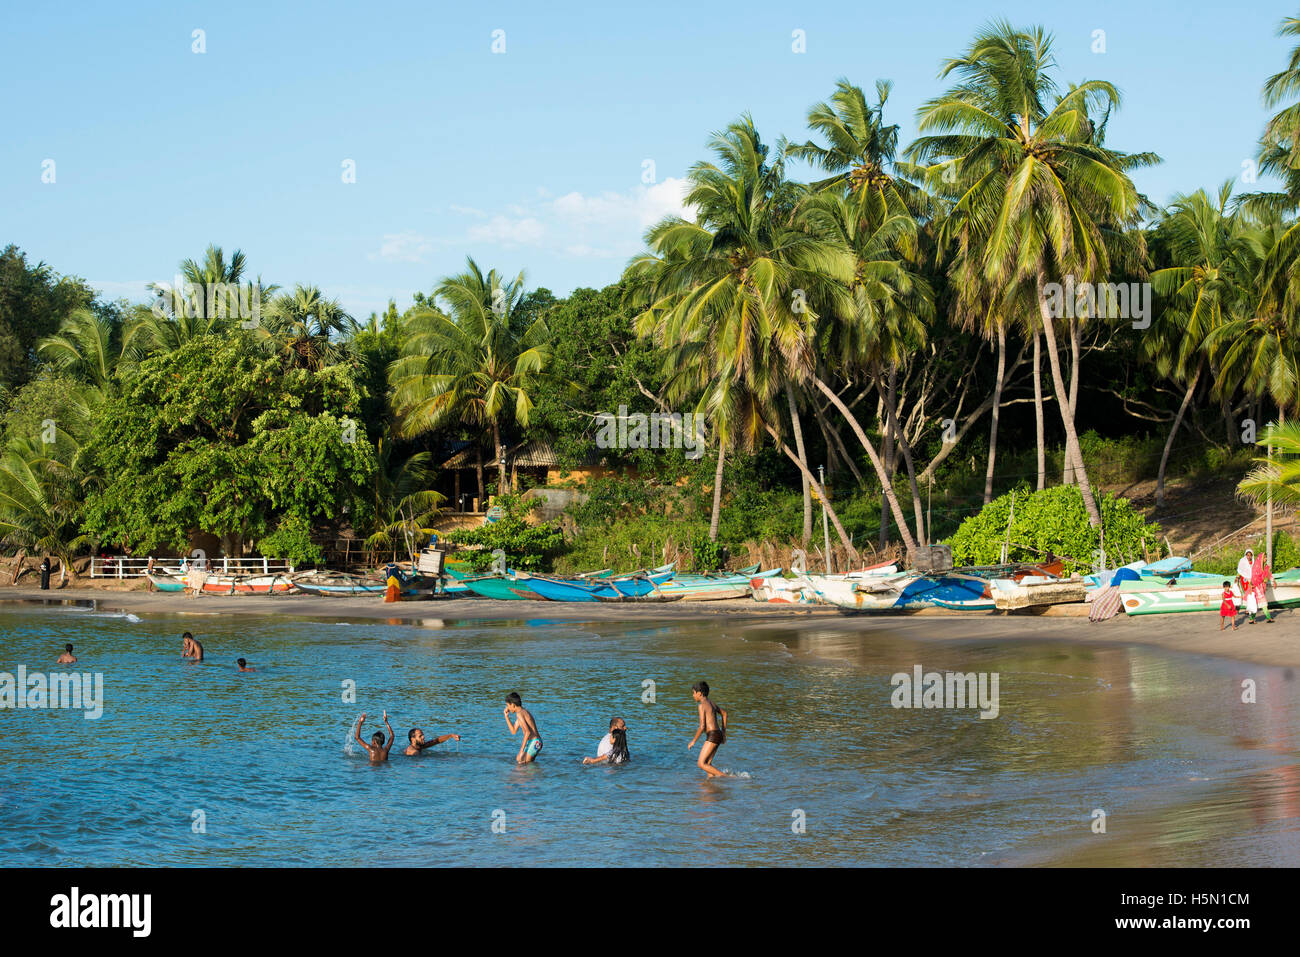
{"points": [[826, 531]]}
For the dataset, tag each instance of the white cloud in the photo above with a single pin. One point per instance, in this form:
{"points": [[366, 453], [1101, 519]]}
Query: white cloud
{"points": [[603, 226], [405, 247]]}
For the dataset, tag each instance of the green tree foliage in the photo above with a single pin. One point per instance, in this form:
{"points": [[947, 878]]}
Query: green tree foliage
{"points": [[34, 301], [218, 437]]}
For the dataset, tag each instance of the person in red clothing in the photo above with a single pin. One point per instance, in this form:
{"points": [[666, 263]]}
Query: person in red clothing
{"points": [[1227, 608]]}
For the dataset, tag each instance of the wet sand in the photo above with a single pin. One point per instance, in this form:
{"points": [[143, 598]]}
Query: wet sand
{"points": [[1192, 632]]}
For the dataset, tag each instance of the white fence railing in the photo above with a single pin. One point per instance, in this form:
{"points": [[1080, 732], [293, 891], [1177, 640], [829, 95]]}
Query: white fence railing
{"points": [[122, 566]]}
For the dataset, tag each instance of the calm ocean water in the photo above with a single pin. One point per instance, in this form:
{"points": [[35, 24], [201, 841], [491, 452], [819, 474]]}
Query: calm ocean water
{"points": [[1185, 772]]}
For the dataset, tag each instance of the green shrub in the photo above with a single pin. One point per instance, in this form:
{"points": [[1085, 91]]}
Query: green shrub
{"points": [[527, 547], [1054, 521]]}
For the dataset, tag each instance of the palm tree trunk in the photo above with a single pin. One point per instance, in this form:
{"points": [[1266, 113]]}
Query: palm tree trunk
{"points": [[1038, 411], [1169, 442], [997, 408], [887, 448], [1068, 472], [803, 457], [894, 508], [717, 493], [501, 458], [478, 466], [1072, 451], [821, 493], [902, 445], [833, 436]]}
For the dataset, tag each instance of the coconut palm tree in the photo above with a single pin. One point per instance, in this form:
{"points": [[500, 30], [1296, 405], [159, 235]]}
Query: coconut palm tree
{"points": [[1207, 286], [734, 287], [303, 325], [40, 500], [477, 364], [1036, 189]]}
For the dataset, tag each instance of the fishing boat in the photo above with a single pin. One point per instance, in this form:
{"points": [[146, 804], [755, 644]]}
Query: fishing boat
{"points": [[801, 590], [502, 588], [166, 582], [864, 593], [1035, 591], [338, 586], [1201, 592], [605, 589], [716, 588]]}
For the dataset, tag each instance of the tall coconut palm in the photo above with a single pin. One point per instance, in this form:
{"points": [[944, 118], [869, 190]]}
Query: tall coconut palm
{"points": [[735, 285], [477, 364], [1035, 188], [40, 501], [1207, 285]]}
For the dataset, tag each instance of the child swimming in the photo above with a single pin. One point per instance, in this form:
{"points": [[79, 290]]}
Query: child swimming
{"points": [[416, 744], [377, 748], [713, 725], [67, 658], [532, 742], [190, 647]]}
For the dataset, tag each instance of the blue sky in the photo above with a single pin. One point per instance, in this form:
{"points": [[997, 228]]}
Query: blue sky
{"points": [[529, 159]]}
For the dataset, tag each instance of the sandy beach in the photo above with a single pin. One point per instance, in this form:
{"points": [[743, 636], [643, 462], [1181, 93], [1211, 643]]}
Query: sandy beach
{"points": [[1195, 632]]}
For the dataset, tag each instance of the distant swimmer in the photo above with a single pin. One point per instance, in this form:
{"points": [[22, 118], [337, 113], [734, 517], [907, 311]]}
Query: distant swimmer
{"points": [[713, 725], [67, 658], [532, 742], [418, 745], [613, 746], [190, 647], [243, 665], [378, 748]]}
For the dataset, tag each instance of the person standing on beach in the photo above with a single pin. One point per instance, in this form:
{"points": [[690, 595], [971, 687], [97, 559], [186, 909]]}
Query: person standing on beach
{"points": [[1261, 576], [67, 658], [416, 744], [1227, 608], [190, 647], [45, 574], [713, 725], [532, 742], [1245, 569], [377, 748]]}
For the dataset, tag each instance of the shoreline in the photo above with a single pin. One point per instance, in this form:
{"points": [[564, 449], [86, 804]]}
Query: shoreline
{"points": [[1188, 632]]}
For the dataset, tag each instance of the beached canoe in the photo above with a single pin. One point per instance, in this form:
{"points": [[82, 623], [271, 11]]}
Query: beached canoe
{"points": [[166, 582], [800, 590], [502, 588], [1034, 591], [708, 588], [861, 594]]}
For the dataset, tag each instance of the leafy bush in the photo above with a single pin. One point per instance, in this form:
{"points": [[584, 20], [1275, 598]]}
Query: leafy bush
{"points": [[1054, 520], [526, 547]]}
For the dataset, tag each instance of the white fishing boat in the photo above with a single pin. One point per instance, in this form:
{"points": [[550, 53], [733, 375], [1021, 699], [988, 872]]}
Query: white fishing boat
{"points": [[862, 593], [1034, 591], [801, 590]]}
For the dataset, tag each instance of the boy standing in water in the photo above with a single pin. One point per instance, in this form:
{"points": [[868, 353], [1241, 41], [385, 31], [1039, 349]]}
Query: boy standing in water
{"points": [[417, 744], [713, 725], [532, 742], [377, 748], [190, 648]]}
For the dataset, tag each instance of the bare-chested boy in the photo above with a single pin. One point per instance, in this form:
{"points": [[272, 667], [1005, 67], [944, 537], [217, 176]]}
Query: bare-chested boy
{"points": [[378, 748], [190, 647], [67, 658], [713, 725], [532, 742], [417, 743]]}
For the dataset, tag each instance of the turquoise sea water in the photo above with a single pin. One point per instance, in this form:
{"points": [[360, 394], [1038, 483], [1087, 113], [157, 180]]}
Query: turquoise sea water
{"points": [[1185, 772]]}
